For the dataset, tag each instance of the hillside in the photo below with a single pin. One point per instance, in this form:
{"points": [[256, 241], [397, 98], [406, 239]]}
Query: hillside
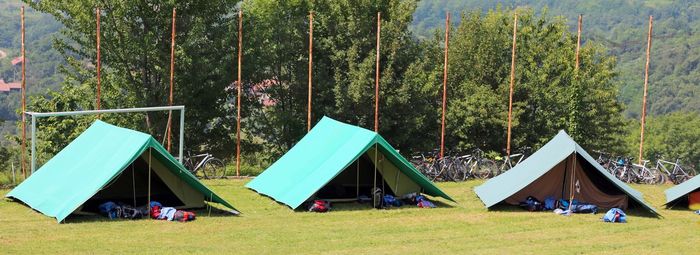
{"points": [[621, 26], [42, 60]]}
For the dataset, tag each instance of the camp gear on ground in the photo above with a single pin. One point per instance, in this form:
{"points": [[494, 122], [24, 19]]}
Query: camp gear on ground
{"points": [[111, 210], [119, 211], [562, 212], [343, 161], [584, 208], [377, 198], [320, 206], [564, 204], [615, 215], [553, 171], [166, 213], [110, 164], [390, 201], [550, 203], [155, 211], [426, 204], [184, 216], [423, 202], [532, 204], [129, 212]]}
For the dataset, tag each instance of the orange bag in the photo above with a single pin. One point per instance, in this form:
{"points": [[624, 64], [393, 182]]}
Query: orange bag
{"points": [[694, 200]]}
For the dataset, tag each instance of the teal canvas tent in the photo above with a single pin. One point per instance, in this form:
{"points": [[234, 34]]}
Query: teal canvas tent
{"points": [[560, 169], [337, 161], [678, 195], [109, 163]]}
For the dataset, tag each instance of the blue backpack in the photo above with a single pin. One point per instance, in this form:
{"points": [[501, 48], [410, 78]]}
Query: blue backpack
{"points": [[615, 215]]}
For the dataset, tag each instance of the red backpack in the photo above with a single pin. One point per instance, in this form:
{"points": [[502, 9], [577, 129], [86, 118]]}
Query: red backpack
{"points": [[320, 206]]}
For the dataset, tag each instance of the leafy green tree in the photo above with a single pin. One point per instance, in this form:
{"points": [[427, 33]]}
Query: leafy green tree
{"points": [[546, 93], [344, 68], [136, 64], [673, 136]]}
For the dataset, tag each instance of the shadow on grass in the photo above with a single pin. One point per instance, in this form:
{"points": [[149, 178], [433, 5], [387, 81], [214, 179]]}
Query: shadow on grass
{"points": [[199, 212], [641, 212], [357, 206]]}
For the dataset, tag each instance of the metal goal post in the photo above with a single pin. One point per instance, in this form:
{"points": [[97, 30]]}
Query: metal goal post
{"points": [[36, 115]]}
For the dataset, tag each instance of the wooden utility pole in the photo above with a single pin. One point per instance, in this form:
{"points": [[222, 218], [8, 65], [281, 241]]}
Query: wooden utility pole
{"points": [[238, 104], [444, 86], [97, 34], [24, 99], [311, 60], [578, 40], [644, 99], [512, 80], [172, 80], [376, 79]]}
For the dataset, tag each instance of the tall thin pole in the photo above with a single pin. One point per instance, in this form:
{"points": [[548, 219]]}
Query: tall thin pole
{"points": [[512, 80], [376, 79], [97, 34], [238, 107], [575, 87], [444, 86], [644, 99], [172, 79], [24, 99], [311, 57], [578, 40]]}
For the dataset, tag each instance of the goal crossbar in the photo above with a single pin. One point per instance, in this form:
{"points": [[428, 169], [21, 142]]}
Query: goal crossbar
{"points": [[36, 115]]}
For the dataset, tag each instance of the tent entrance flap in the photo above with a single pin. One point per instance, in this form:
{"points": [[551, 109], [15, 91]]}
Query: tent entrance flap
{"points": [[396, 180], [353, 181], [586, 186]]}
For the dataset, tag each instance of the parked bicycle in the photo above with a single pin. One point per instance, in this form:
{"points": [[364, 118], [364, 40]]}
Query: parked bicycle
{"points": [[473, 165], [453, 168], [509, 161], [677, 174], [205, 166], [636, 173]]}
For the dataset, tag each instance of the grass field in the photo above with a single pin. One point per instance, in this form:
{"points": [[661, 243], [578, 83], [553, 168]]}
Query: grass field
{"points": [[270, 228]]}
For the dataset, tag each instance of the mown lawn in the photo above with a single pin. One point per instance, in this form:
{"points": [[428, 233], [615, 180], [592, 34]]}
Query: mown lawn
{"points": [[267, 227]]}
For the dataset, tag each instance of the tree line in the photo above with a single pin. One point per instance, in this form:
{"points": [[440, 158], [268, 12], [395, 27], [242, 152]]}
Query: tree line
{"points": [[550, 95]]}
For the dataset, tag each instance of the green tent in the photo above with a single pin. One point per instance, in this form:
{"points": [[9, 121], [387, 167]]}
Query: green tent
{"points": [[336, 161], [109, 163], [560, 169], [679, 194]]}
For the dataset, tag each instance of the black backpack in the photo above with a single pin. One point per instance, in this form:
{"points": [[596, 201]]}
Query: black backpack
{"points": [[532, 204]]}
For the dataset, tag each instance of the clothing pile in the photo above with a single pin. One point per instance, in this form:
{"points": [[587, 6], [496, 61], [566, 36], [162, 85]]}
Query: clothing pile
{"points": [[560, 206], [170, 213], [121, 211], [615, 215], [387, 201]]}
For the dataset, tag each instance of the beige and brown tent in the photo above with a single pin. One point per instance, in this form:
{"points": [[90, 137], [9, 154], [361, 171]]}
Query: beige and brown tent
{"points": [[563, 170]]}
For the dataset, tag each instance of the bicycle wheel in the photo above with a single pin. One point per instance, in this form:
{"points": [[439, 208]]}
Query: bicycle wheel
{"points": [[214, 169], [455, 171], [486, 168], [648, 176], [680, 178], [660, 178]]}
